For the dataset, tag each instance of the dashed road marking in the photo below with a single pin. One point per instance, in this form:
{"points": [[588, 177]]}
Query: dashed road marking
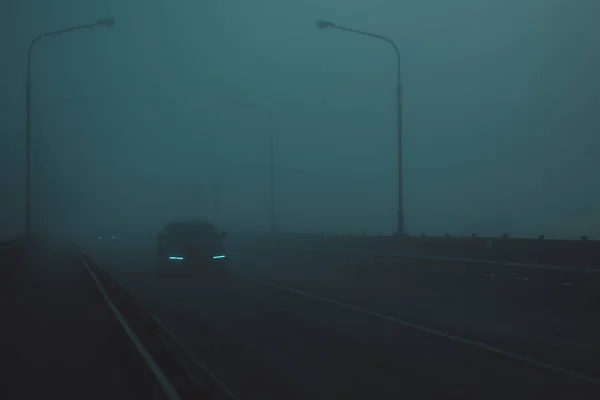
{"points": [[566, 283], [435, 332], [523, 278], [451, 259], [459, 271]]}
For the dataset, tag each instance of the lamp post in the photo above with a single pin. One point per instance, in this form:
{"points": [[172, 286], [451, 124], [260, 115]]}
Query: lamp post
{"points": [[107, 22], [272, 218], [400, 212]]}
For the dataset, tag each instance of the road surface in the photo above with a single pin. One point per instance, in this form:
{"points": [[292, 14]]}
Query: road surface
{"points": [[59, 337], [302, 331]]}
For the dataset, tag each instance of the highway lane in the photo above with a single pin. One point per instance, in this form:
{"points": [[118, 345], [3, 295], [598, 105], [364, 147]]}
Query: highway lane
{"points": [[553, 322], [259, 338], [60, 337], [388, 266]]}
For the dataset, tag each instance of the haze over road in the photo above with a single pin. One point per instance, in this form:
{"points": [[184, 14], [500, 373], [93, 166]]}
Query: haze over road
{"points": [[264, 338]]}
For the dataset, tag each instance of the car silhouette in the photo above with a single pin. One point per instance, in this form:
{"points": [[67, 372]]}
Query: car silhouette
{"points": [[192, 245]]}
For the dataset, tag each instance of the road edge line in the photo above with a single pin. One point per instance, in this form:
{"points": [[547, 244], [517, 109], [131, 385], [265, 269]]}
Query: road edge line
{"points": [[162, 379], [195, 357]]}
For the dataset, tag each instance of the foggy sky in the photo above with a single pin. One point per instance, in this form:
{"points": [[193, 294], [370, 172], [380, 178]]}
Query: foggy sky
{"points": [[501, 121]]}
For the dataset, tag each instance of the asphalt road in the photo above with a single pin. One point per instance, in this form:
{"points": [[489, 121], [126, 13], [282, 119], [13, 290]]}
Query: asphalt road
{"points": [[304, 329], [60, 338]]}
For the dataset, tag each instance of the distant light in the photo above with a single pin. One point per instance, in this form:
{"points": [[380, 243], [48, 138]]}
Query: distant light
{"points": [[221, 256], [99, 237], [175, 258], [113, 237]]}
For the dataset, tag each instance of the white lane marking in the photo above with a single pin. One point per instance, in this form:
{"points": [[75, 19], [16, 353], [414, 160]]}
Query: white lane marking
{"points": [[188, 352], [435, 332], [158, 372], [566, 283], [489, 274], [195, 358], [465, 260], [522, 278]]}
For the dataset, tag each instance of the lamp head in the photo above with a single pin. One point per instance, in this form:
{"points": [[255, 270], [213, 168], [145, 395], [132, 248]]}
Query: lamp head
{"points": [[321, 24], [108, 22]]}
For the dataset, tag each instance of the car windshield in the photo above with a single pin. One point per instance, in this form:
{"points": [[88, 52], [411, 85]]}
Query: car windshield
{"points": [[204, 232]]}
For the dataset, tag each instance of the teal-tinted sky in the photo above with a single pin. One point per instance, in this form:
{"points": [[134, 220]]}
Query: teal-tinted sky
{"points": [[501, 100]]}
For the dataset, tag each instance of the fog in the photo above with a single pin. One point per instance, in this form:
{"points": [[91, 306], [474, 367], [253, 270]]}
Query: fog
{"points": [[130, 127]]}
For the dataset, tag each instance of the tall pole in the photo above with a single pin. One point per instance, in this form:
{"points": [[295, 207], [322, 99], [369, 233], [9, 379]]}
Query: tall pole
{"points": [[272, 214], [108, 22], [273, 221], [400, 210], [28, 146], [216, 183]]}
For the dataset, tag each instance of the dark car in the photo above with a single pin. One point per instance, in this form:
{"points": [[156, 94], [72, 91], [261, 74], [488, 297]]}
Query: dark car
{"points": [[193, 245]]}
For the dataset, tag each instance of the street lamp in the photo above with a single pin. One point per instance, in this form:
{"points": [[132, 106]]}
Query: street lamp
{"points": [[321, 24], [107, 22], [272, 218]]}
